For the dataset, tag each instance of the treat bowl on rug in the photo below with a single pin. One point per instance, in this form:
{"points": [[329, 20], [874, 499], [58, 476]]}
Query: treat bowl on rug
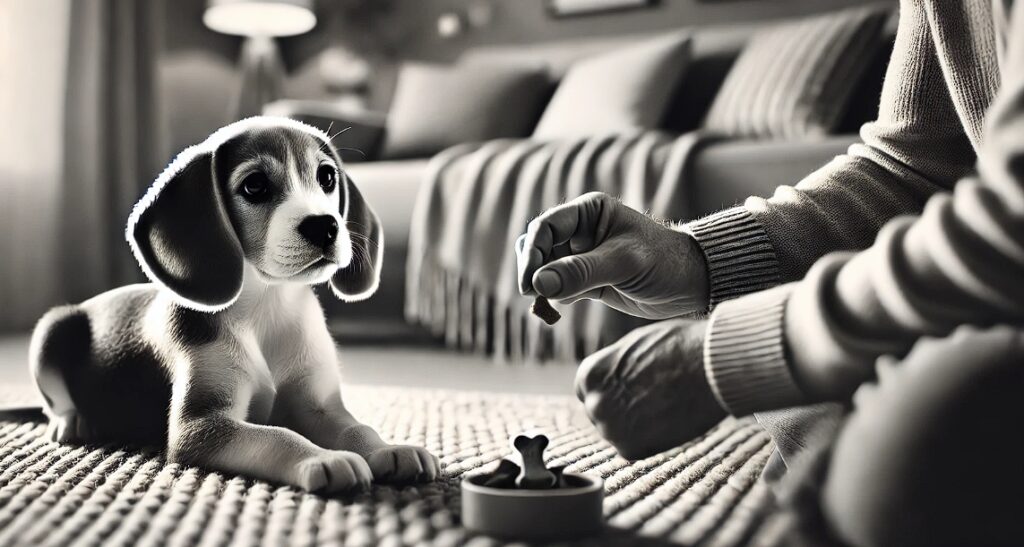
{"points": [[569, 512]]}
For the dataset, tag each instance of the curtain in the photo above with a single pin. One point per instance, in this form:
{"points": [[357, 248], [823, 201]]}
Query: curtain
{"points": [[81, 142], [113, 139], [33, 60]]}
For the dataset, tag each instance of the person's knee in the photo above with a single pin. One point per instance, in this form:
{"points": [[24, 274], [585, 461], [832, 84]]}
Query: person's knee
{"points": [[931, 454]]}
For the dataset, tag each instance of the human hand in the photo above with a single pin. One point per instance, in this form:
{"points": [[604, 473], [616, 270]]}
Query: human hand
{"points": [[595, 247], [648, 392]]}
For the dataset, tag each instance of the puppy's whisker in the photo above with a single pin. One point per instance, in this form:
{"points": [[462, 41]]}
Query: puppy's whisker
{"points": [[369, 243], [349, 223], [330, 138], [360, 152], [360, 258]]}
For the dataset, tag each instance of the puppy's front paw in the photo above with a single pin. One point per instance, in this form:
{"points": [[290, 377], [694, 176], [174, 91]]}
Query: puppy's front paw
{"points": [[333, 471], [69, 428], [403, 464]]}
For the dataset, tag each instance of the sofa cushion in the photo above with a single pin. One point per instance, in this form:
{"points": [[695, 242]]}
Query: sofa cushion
{"points": [[794, 79], [435, 106], [391, 187], [617, 92]]}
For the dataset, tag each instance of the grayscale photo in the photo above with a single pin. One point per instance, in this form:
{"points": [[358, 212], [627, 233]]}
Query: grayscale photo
{"points": [[512, 272]]}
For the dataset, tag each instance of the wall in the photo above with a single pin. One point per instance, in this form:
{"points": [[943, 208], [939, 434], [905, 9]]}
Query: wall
{"points": [[199, 76], [527, 21]]}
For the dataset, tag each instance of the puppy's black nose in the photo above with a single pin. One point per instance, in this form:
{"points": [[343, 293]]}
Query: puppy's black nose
{"points": [[321, 230]]}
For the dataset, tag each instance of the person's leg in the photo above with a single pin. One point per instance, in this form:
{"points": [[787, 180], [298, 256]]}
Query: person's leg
{"points": [[933, 453]]}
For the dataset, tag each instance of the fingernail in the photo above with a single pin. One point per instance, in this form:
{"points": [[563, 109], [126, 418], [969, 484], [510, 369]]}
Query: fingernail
{"points": [[547, 283]]}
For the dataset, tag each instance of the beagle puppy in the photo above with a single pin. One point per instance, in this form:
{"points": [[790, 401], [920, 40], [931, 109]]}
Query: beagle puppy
{"points": [[225, 358]]}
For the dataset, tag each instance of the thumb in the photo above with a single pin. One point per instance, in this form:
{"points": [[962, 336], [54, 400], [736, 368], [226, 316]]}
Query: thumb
{"points": [[576, 274]]}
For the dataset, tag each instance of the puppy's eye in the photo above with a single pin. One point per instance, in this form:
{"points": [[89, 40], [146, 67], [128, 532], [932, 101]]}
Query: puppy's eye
{"points": [[327, 177], [256, 187]]}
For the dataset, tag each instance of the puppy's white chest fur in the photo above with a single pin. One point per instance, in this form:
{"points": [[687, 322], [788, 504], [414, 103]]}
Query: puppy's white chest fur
{"points": [[277, 327], [258, 381], [275, 336]]}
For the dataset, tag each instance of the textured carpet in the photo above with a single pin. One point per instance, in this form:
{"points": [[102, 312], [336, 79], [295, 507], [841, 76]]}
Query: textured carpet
{"points": [[703, 493]]}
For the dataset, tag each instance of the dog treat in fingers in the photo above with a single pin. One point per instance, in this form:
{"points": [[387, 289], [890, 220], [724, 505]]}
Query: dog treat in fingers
{"points": [[543, 309]]}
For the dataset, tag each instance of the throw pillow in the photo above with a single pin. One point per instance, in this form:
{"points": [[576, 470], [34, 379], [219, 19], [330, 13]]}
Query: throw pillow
{"points": [[794, 79], [617, 92], [435, 107]]}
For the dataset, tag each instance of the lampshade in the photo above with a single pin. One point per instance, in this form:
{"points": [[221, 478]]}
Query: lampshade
{"points": [[260, 17]]}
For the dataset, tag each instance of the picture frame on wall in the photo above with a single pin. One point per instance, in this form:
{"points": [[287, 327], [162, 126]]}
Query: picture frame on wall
{"points": [[571, 8]]}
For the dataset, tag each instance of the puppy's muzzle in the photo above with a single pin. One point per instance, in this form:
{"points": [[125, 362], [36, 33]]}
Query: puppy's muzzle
{"points": [[320, 231]]}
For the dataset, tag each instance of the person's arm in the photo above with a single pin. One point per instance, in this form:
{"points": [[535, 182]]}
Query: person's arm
{"points": [[591, 247], [916, 147], [960, 262]]}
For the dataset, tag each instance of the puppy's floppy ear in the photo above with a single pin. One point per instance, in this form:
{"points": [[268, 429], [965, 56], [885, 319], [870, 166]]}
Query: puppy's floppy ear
{"points": [[359, 280], [181, 235]]}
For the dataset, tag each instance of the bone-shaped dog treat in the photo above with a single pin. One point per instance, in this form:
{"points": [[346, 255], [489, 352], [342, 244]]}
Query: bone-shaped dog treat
{"points": [[543, 309], [534, 474]]}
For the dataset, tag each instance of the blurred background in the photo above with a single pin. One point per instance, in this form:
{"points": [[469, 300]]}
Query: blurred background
{"points": [[98, 95]]}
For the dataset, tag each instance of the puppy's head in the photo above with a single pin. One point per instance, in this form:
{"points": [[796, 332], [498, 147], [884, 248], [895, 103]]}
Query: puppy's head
{"points": [[267, 191]]}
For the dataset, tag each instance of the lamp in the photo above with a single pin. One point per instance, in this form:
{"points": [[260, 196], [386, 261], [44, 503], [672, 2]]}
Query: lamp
{"points": [[260, 21], [260, 17]]}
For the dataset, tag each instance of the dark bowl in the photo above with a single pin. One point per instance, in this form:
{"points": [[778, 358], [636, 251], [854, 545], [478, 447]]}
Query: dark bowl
{"points": [[539, 515]]}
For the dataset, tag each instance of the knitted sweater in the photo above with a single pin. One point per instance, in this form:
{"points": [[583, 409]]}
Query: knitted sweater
{"points": [[959, 261]]}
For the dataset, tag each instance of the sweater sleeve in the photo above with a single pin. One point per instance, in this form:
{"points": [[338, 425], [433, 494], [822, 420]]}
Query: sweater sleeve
{"points": [[960, 262], [916, 147]]}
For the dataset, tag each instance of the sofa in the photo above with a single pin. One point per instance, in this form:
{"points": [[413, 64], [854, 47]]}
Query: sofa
{"points": [[720, 174]]}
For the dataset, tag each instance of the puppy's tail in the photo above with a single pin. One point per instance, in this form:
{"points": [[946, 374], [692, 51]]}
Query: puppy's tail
{"points": [[61, 341]]}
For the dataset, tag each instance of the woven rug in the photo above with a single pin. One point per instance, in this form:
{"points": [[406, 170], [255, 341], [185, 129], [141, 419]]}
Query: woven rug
{"points": [[705, 493]]}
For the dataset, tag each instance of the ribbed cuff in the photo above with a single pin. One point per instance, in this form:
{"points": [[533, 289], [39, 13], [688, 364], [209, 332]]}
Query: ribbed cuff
{"points": [[745, 356], [740, 257]]}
